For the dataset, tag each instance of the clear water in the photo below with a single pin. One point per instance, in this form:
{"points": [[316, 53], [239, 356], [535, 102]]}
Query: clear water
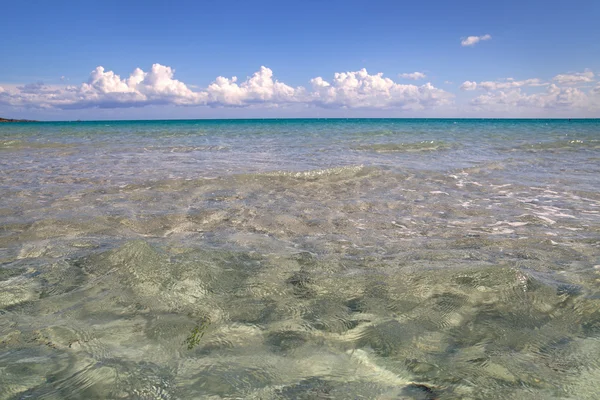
{"points": [[300, 259]]}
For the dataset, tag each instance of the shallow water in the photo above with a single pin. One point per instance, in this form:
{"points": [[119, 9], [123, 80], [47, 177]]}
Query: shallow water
{"points": [[290, 259]]}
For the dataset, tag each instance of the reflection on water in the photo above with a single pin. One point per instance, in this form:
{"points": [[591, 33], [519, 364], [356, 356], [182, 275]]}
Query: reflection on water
{"points": [[325, 270]]}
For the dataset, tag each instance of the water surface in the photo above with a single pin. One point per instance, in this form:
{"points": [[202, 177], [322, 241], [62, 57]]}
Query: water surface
{"points": [[287, 259]]}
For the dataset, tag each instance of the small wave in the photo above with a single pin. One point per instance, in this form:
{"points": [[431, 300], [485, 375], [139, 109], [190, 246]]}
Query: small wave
{"points": [[560, 145], [347, 172], [24, 145], [187, 149], [426, 145]]}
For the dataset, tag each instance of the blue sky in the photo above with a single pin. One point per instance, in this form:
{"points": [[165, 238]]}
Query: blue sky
{"points": [[534, 58]]}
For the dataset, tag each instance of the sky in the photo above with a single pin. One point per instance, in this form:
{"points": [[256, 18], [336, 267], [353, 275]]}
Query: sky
{"points": [[66, 60]]}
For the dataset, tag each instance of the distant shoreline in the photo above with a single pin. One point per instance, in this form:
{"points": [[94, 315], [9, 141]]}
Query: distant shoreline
{"points": [[16, 120]]}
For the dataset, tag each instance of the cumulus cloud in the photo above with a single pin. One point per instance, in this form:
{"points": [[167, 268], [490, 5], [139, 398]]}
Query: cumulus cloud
{"points": [[106, 89], [415, 76], [260, 88], [359, 89], [473, 40], [574, 78], [157, 86], [468, 85]]}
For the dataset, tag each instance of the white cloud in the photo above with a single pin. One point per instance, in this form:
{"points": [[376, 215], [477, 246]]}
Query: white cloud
{"points": [[574, 78], [260, 88], [106, 89], [468, 85], [473, 40], [359, 89], [413, 75], [508, 83], [513, 97], [554, 97]]}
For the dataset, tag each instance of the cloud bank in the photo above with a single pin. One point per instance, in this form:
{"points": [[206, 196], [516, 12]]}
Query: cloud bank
{"points": [[353, 90], [553, 98], [559, 94], [106, 89]]}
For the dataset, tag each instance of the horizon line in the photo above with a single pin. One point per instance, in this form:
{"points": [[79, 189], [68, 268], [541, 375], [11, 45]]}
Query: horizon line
{"points": [[22, 120]]}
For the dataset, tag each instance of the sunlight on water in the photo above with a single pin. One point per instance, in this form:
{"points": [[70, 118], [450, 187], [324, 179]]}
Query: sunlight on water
{"points": [[300, 260]]}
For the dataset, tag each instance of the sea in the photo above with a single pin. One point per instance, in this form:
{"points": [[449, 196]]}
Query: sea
{"points": [[300, 259]]}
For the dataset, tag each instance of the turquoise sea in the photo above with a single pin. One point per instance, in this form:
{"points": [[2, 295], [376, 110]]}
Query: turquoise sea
{"points": [[300, 259]]}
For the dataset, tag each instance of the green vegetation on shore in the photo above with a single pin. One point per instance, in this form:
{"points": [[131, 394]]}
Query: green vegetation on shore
{"points": [[16, 120]]}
